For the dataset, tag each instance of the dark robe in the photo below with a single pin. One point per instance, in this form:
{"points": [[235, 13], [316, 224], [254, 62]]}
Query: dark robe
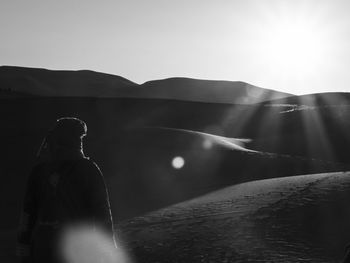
{"points": [[60, 194]]}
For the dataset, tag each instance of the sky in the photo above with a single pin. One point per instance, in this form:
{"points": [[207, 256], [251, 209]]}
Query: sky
{"points": [[295, 46]]}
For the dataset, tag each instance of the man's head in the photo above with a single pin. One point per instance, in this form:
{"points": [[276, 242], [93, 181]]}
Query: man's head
{"points": [[66, 135]]}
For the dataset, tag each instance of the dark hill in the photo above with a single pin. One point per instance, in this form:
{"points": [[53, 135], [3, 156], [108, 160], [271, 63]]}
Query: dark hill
{"points": [[234, 92], [84, 83], [43, 82]]}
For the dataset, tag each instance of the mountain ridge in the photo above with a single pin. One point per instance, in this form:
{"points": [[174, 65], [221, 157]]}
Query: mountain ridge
{"points": [[88, 83]]}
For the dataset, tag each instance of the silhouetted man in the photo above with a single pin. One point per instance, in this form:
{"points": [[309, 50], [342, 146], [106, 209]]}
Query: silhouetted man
{"points": [[66, 190]]}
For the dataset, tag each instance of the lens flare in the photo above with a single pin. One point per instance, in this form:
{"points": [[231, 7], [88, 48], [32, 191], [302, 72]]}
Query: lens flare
{"points": [[178, 162], [85, 244], [207, 144]]}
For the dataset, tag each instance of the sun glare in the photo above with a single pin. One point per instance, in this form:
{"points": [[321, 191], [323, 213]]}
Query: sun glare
{"points": [[294, 47]]}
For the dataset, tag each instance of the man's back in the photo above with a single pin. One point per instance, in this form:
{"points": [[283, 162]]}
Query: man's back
{"points": [[66, 190]]}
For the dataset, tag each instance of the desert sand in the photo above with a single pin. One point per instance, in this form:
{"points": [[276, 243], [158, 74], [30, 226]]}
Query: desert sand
{"points": [[291, 219]]}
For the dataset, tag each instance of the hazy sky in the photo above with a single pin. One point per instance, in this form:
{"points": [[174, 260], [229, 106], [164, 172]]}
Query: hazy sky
{"points": [[293, 46]]}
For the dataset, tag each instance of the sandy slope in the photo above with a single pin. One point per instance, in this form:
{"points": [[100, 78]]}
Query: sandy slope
{"points": [[210, 140], [295, 219]]}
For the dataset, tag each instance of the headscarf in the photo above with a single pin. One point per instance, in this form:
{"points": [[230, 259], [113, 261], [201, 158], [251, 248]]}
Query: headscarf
{"points": [[66, 135]]}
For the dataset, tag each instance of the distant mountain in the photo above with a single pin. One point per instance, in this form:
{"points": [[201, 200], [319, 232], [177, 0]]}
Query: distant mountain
{"points": [[232, 92], [85, 83], [43, 82]]}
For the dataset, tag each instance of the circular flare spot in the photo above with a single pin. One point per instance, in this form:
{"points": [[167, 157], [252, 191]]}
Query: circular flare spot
{"points": [[178, 162]]}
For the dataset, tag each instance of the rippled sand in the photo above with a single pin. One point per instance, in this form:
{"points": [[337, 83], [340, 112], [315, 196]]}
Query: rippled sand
{"points": [[294, 219]]}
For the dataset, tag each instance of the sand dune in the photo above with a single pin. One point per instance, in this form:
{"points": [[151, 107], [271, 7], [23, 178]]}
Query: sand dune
{"points": [[314, 131], [295, 219], [140, 159], [210, 140], [137, 163]]}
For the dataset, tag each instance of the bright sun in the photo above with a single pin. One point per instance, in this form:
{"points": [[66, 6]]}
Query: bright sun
{"points": [[293, 48]]}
